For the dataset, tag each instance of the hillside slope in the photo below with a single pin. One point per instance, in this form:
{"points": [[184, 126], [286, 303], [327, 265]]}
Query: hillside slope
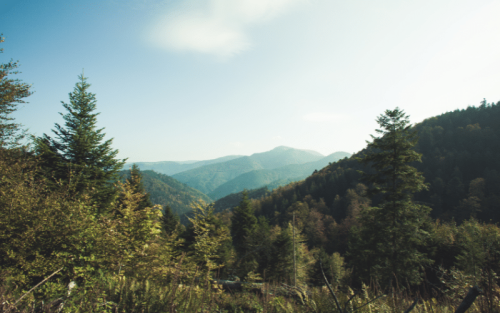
{"points": [[461, 164], [208, 178], [172, 167], [165, 190], [274, 177]]}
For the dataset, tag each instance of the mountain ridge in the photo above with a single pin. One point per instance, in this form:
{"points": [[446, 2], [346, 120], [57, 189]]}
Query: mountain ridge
{"points": [[173, 167], [270, 177], [207, 178]]}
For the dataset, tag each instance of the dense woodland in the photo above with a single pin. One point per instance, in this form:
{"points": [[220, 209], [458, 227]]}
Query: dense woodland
{"points": [[413, 216]]}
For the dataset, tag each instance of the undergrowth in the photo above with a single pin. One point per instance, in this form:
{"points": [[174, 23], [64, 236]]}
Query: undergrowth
{"points": [[121, 294]]}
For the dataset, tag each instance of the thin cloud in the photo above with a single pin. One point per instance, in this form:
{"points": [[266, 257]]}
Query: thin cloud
{"points": [[219, 27], [277, 138], [322, 117]]}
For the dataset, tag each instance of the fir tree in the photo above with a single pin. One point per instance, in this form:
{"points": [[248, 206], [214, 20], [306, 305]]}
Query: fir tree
{"points": [[12, 93], [78, 154], [388, 243]]}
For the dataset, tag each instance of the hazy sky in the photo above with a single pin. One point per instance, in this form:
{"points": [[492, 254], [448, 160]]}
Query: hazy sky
{"points": [[200, 79]]}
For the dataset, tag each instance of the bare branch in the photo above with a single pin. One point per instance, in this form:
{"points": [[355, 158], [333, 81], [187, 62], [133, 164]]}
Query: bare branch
{"points": [[40, 283], [330, 288]]}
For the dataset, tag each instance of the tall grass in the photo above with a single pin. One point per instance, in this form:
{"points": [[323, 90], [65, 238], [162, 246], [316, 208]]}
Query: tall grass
{"points": [[188, 294]]}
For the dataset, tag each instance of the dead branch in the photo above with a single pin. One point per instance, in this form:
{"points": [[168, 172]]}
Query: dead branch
{"points": [[469, 299], [40, 283]]}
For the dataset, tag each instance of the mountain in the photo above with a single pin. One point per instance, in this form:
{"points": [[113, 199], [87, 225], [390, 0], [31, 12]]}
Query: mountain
{"points": [[173, 167], [207, 178], [460, 162], [165, 190], [274, 178]]}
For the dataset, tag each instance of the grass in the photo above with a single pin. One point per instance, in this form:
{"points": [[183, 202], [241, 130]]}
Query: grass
{"points": [[121, 294]]}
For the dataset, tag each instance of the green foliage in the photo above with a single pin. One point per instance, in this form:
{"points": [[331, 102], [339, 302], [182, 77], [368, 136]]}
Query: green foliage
{"points": [[455, 151], [390, 240], [333, 266], [78, 154], [170, 222], [233, 200], [243, 224], [12, 93], [390, 156], [281, 264], [43, 230], [480, 257], [206, 239], [135, 180]]}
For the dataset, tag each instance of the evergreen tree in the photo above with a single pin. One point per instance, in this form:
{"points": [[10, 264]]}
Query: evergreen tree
{"points": [[12, 93], [206, 239], [281, 265], [135, 181], [169, 220], [243, 225], [387, 244], [78, 154]]}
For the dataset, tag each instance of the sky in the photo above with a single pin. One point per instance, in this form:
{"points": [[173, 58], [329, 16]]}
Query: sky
{"points": [[201, 79]]}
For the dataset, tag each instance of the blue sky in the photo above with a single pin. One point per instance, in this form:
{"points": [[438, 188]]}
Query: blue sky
{"points": [[200, 79]]}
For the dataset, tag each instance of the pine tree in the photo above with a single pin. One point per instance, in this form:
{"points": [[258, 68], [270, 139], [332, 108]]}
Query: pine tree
{"points": [[388, 243], [78, 154], [12, 93]]}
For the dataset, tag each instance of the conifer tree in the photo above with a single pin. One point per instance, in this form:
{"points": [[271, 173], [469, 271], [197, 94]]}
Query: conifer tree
{"points": [[388, 243], [206, 239], [170, 221], [135, 181], [79, 153], [243, 223], [243, 226], [12, 93], [281, 265]]}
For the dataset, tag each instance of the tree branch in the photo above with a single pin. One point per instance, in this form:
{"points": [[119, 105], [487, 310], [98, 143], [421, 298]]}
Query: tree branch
{"points": [[40, 283]]}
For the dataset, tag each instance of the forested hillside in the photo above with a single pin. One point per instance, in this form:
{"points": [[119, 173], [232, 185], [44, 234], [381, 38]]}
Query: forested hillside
{"points": [[274, 177], [233, 200], [460, 162], [167, 191], [207, 178]]}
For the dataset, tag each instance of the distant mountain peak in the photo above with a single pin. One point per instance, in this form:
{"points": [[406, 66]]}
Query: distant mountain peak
{"points": [[282, 148], [285, 148]]}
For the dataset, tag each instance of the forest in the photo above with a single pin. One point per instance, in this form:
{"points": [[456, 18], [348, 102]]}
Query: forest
{"points": [[410, 223]]}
